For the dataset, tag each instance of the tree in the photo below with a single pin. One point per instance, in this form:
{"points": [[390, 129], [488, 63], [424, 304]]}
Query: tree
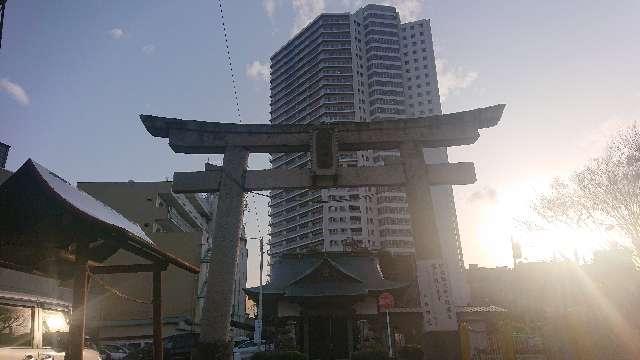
{"points": [[605, 193]]}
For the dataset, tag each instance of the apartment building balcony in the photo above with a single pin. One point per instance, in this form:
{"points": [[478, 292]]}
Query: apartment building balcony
{"points": [[295, 203], [313, 94], [298, 236], [172, 221], [182, 208], [302, 62], [307, 48], [291, 211], [300, 245], [309, 87], [309, 65]]}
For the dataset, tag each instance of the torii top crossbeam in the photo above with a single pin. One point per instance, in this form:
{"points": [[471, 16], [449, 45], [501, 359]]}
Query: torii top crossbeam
{"points": [[201, 137]]}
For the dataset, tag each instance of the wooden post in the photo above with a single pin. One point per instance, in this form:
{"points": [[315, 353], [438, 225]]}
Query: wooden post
{"points": [[80, 285], [157, 315], [225, 232]]}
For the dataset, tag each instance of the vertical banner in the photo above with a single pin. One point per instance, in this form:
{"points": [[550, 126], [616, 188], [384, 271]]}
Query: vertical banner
{"points": [[438, 310]]}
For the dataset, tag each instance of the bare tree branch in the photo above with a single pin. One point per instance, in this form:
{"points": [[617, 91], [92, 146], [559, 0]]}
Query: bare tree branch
{"points": [[605, 193]]}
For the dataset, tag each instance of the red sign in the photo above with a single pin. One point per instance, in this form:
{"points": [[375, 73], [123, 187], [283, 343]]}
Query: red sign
{"points": [[386, 301]]}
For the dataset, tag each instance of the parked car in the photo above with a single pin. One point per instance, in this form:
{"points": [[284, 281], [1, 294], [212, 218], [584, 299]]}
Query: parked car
{"points": [[246, 349], [179, 346], [35, 327], [134, 345], [143, 353], [113, 352]]}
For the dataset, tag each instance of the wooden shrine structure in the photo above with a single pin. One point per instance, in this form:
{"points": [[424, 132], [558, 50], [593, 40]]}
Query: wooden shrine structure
{"points": [[52, 229]]}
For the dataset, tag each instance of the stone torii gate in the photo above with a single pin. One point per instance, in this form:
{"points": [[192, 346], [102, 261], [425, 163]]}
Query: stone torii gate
{"points": [[324, 141]]}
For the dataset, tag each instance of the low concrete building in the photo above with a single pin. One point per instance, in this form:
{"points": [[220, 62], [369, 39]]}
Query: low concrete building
{"points": [[177, 224]]}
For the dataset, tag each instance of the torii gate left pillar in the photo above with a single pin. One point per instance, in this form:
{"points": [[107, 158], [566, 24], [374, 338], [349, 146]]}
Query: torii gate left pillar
{"points": [[410, 136], [225, 235]]}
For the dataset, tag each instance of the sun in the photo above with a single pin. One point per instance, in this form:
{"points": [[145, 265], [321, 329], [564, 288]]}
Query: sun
{"points": [[501, 221]]}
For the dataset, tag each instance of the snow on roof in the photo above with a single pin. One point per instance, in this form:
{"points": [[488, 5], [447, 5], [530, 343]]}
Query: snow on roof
{"points": [[89, 205]]}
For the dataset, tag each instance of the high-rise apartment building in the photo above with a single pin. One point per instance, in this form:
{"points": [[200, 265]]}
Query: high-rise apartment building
{"points": [[365, 66]]}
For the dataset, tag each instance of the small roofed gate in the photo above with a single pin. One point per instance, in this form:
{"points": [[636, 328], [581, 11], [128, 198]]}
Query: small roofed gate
{"points": [[50, 228], [324, 141]]}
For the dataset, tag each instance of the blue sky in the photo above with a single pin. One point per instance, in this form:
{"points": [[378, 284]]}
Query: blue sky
{"points": [[74, 75]]}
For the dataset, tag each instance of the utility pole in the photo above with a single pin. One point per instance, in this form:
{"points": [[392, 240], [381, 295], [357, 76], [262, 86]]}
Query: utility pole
{"points": [[257, 336]]}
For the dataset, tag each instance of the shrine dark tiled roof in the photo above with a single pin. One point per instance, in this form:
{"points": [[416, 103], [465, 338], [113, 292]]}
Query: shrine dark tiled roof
{"points": [[326, 274]]}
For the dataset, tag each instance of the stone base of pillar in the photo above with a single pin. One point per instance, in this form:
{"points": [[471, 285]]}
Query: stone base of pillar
{"points": [[441, 345]]}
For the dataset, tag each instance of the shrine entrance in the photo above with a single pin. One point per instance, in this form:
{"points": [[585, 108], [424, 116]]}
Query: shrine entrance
{"points": [[328, 337]]}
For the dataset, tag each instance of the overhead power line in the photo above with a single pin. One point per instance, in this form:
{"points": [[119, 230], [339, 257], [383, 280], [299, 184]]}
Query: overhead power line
{"points": [[3, 4], [233, 76]]}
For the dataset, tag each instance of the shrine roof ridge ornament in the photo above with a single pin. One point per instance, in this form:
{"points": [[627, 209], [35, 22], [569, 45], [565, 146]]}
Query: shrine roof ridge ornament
{"points": [[202, 137]]}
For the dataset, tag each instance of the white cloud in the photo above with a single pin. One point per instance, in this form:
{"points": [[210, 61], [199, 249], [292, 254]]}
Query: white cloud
{"points": [[258, 71], [269, 7], [149, 49], [453, 78], [15, 91], [305, 11], [116, 33]]}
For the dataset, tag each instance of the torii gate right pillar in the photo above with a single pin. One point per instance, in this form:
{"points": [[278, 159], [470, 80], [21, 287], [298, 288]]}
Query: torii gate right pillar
{"points": [[440, 337]]}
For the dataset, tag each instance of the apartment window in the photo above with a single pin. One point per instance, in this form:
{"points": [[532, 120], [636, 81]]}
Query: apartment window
{"points": [[409, 87], [409, 78], [411, 106], [430, 111], [407, 71], [404, 38], [415, 61], [428, 92], [424, 49], [410, 96], [406, 62], [421, 33], [424, 67], [420, 103], [424, 58], [419, 94], [419, 86], [411, 27], [417, 68], [413, 36], [429, 101], [422, 42], [417, 77], [406, 54], [414, 52]]}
